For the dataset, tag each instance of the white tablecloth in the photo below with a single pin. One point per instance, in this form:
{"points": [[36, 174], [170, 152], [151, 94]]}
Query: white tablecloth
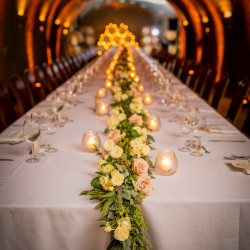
{"points": [[205, 205]]}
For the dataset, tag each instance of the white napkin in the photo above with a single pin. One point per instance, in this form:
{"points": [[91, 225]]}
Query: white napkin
{"points": [[244, 165], [221, 130], [12, 136]]}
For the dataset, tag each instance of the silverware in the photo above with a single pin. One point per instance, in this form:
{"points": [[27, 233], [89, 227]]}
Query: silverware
{"points": [[206, 151], [241, 156], [227, 140], [11, 142], [6, 160], [17, 125]]}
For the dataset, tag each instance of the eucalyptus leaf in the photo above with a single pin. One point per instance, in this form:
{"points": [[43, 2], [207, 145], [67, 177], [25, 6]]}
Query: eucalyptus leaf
{"points": [[96, 183]]}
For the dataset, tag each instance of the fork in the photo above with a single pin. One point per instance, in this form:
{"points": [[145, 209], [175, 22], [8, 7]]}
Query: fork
{"points": [[242, 157]]}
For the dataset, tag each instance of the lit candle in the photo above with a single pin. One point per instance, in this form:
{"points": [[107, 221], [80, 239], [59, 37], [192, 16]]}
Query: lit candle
{"points": [[90, 141], [137, 79], [101, 92], [108, 84], [154, 123], [166, 162], [147, 99], [102, 108], [132, 74], [141, 88]]}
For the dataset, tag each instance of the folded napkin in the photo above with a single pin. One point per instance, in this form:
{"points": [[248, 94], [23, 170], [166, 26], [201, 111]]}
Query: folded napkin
{"points": [[244, 165], [12, 136], [222, 130]]}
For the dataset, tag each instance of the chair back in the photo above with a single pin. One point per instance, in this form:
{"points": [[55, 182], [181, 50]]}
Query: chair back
{"points": [[62, 69], [188, 65], [208, 83], [246, 125], [41, 77], [76, 63], [37, 94], [7, 110], [192, 76], [67, 67], [239, 95], [202, 74], [220, 89], [71, 64], [21, 93], [50, 75], [57, 72]]}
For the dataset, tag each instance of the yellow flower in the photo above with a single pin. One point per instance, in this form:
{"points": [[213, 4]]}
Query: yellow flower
{"points": [[124, 223], [124, 97], [117, 179], [121, 234], [99, 164], [116, 152], [138, 129], [113, 122], [108, 228], [145, 150], [108, 168], [122, 117]]}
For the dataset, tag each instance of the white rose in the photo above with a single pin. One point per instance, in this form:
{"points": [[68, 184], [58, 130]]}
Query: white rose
{"points": [[108, 168], [124, 97], [108, 145], [138, 129], [113, 122], [122, 117], [125, 223], [116, 152], [121, 234], [99, 164]]}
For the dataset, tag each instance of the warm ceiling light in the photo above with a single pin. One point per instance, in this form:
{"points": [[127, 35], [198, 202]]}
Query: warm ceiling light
{"points": [[207, 29], [57, 21], [41, 28], [38, 85], [205, 19], [227, 14], [66, 24], [20, 13], [155, 32], [65, 31], [185, 23]]}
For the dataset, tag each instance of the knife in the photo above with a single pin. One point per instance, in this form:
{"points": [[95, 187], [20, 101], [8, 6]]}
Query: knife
{"points": [[6, 160], [227, 140]]}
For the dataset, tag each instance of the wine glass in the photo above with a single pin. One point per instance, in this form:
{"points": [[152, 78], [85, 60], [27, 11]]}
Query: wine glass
{"points": [[51, 121], [185, 129], [198, 131], [31, 133], [173, 103], [57, 107]]}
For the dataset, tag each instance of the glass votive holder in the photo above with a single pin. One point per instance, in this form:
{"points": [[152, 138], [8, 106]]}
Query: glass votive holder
{"points": [[101, 92], [166, 162], [90, 141], [147, 98], [108, 84], [140, 88], [154, 123], [102, 108]]}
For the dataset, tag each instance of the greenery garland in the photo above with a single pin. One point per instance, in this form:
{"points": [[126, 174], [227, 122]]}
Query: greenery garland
{"points": [[124, 177]]}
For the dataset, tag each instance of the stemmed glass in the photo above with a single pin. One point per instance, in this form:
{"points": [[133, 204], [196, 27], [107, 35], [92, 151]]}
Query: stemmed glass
{"points": [[173, 103], [31, 133], [51, 121], [184, 126], [198, 131], [57, 107]]}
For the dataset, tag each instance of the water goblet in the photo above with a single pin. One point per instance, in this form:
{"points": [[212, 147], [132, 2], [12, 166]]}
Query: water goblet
{"points": [[31, 133], [51, 120], [57, 107], [185, 129]]}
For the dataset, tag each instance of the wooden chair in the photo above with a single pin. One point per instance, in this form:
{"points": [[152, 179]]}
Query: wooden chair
{"points": [[71, 64], [41, 77], [67, 66], [220, 89], [208, 83], [57, 73], [192, 76], [246, 125], [21, 93], [76, 63], [62, 69], [239, 95], [50, 76], [37, 94], [202, 74], [188, 65], [8, 113]]}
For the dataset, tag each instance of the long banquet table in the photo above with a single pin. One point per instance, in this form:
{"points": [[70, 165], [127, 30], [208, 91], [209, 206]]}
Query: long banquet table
{"points": [[204, 205]]}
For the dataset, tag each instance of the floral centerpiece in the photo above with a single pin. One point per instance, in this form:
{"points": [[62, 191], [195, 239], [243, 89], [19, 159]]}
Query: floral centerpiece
{"points": [[123, 171]]}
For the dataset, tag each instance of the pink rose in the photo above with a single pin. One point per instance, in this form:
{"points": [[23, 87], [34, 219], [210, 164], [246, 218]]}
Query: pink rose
{"points": [[136, 119], [104, 153], [140, 166], [143, 183], [114, 135]]}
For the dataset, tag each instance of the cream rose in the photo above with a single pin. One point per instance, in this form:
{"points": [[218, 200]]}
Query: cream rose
{"points": [[121, 234], [108, 145], [125, 223], [145, 150], [140, 166], [113, 122], [136, 119], [124, 97], [114, 135], [108, 168], [99, 164], [143, 183], [138, 129], [116, 152], [122, 117]]}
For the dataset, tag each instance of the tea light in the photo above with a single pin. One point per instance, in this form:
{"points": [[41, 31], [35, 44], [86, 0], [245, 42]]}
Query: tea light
{"points": [[166, 162], [147, 99], [90, 140], [137, 79], [101, 92], [108, 84], [132, 74], [102, 108], [141, 88], [154, 123]]}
